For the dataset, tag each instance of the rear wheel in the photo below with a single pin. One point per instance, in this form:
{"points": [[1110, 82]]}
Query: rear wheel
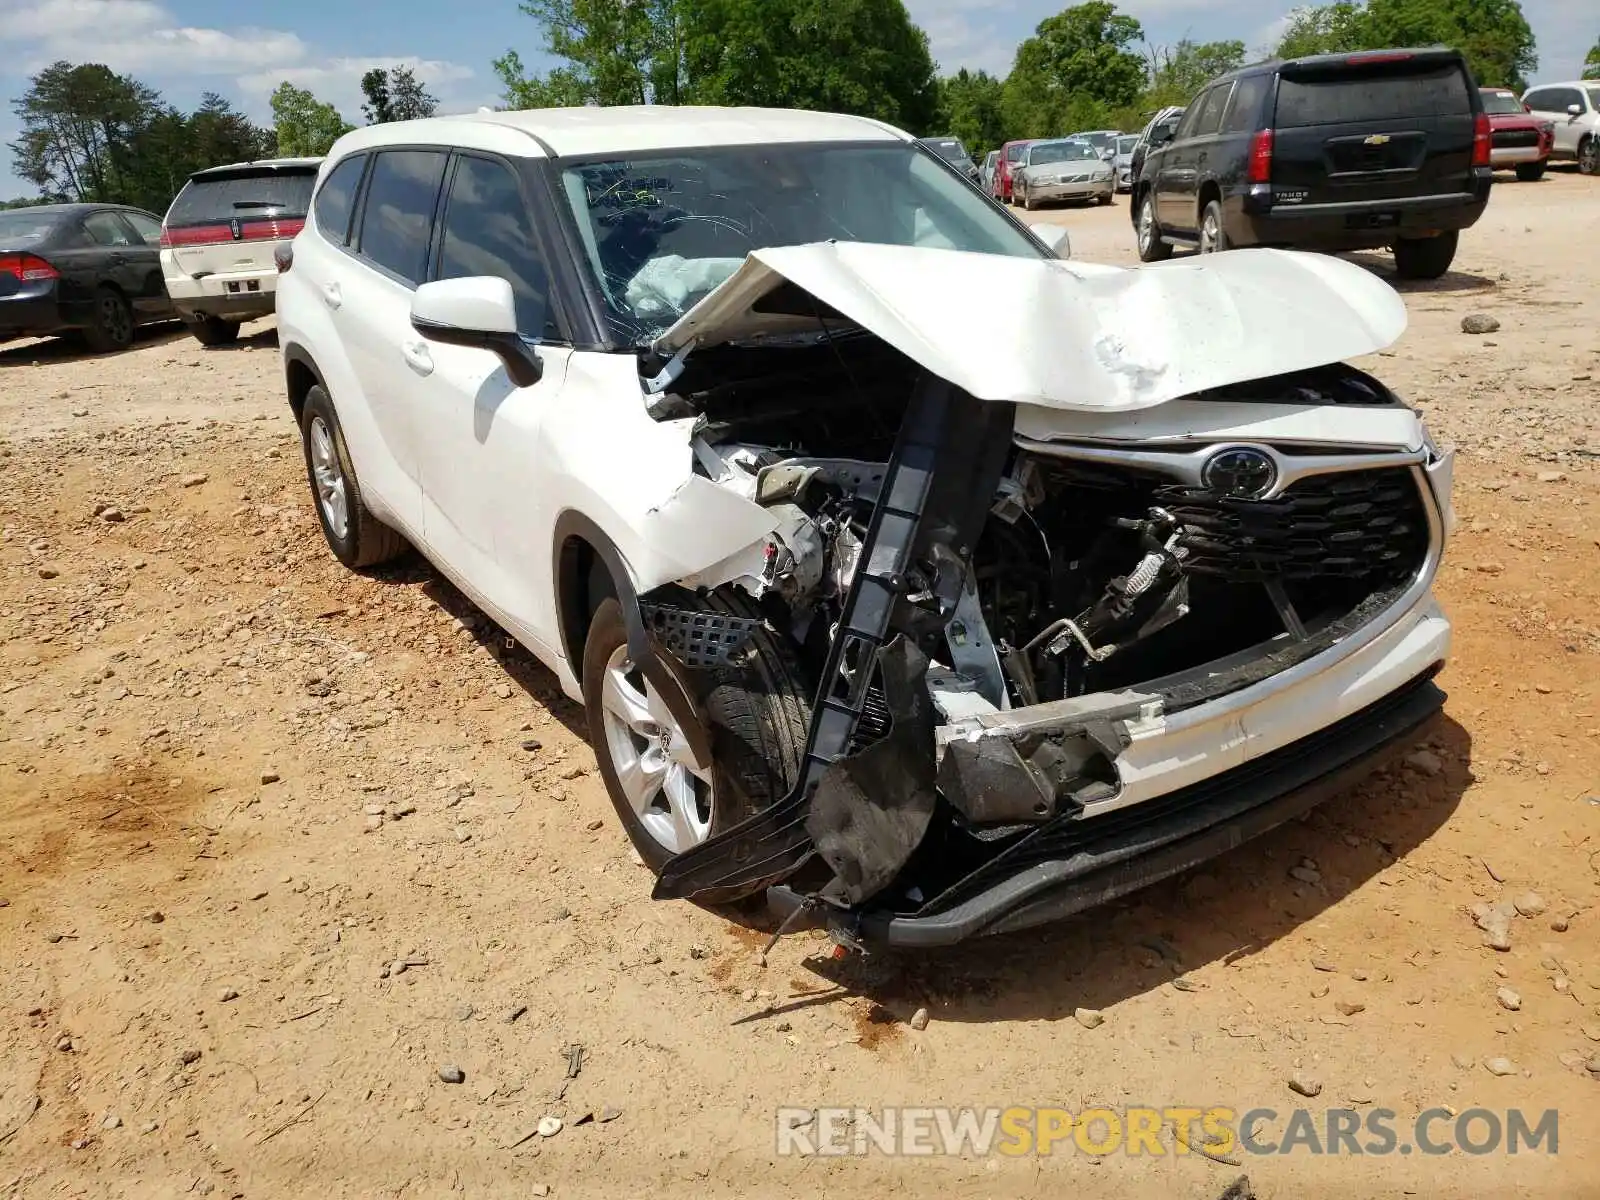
{"points": [[1589, 155], [212, 331], [1425, 258], [111, 325], [1213, 238], [645, 723], [1530, 172], [356, 537], [1151, 247]]}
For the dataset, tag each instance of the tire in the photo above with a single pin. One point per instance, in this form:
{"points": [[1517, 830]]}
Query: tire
{"points": [[1102, 201], [212, 331], [1213, 237], [756, 712], [111, 327], [363, 540], [1530, 172], [1028, 204], [1425, 258], [1589, 155], [1148, 230]]}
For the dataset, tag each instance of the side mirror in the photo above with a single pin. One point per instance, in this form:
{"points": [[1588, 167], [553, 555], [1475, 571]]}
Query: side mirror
{"points": [[1574, 110], [479, 312], [1056, 238]]}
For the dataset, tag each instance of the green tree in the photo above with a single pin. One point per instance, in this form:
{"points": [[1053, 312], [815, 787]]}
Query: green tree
{"points": [[306, 126], [1178, 72], [971, 108], [395, 95], [864, 57], [1493, 35], [611, 49], [1077, 71], [78, 124], [1591, 62]]}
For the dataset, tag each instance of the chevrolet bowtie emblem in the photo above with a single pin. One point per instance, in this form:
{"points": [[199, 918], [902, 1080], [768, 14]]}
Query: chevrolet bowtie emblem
{"points": [[1378, 139]]}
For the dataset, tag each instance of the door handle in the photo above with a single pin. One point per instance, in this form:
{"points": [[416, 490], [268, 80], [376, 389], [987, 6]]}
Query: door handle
{"points": [[115, 260], [332, 295], [417, 357]]}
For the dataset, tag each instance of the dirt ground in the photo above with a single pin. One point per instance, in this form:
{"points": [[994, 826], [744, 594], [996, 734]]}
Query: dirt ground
{"points": [[238, 784]]}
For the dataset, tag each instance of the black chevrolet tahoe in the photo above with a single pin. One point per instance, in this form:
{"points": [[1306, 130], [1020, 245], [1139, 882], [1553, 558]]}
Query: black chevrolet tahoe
{"points": [[1332, 152]]}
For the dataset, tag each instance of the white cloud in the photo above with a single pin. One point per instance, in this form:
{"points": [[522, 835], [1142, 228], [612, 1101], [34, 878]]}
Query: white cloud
{"points": [[59, 21]]}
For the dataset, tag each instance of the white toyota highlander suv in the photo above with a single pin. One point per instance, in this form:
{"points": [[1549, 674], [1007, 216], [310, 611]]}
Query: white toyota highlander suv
{"points": [[930, 583]]}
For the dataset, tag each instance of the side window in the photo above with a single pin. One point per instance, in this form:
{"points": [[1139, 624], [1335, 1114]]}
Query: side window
{"points": [[148, 229], [397, 218], [1569, 97], [107, 229], [487, 231], [1191, 118], [1244, 110], [336, 199], [1211, 110]]}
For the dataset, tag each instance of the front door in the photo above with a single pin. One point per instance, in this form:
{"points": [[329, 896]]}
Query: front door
{"points": [[152, 299], [480, 449], [1550, 104]]}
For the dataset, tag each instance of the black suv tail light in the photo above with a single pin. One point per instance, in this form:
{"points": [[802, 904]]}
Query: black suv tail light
{"points": [[1482, 140], [1261, 157]]}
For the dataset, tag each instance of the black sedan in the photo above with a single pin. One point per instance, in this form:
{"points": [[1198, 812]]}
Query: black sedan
{"points": [[89, 270]]}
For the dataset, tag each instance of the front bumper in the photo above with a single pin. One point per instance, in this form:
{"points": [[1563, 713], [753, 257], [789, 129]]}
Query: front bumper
{"points": [[1073, 865], [1091, 190], [1510, 156]]}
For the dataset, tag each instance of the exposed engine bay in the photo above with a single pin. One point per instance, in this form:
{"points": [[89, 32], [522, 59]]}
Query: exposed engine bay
{"points": [[1094, 570], [983, 615]]}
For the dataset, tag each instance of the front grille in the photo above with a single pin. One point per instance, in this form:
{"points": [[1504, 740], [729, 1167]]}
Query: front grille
{"points": [[1368, 525], [1512, 139]]}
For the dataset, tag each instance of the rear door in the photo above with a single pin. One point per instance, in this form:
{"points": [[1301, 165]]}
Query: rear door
{"points": [[1376, 126], [228, 220]]}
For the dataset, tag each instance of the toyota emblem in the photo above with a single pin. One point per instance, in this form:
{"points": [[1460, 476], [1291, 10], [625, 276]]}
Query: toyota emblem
{"points": [[1240, 472]]}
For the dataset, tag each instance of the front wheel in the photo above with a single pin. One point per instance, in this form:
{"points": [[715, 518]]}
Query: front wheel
{"points": [[1530, 172], [356, 537], [748, 717], [1151, 247], [1425, 258], [1589, 156], [1028, 204]]}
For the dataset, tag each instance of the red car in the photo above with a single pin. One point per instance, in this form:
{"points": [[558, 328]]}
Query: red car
{"points": [[1521, 140], [1010, 155]]}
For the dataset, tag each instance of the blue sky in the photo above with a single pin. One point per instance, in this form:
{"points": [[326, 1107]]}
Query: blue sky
{"points": [[185, 47]]}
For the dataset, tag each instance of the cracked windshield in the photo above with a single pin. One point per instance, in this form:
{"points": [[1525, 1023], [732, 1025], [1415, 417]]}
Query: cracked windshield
{"points": [[662, 232]]}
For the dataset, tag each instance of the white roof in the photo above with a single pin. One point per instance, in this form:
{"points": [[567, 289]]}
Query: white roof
{"points": [[583, 131]]}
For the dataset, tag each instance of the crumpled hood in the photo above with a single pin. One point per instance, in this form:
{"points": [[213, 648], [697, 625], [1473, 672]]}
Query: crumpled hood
{"points": [[1064, 334]]}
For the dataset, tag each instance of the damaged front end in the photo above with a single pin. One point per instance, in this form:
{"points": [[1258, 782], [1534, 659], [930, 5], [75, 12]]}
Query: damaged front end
{"points": [[1054, 654]]}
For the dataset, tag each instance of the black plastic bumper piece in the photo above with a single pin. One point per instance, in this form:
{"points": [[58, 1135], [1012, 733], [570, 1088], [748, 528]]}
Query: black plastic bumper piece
{"points": [[1105, 857]]}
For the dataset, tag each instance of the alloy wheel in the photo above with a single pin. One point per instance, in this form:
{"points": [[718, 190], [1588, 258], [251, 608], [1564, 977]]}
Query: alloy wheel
{"points": [[1589, 156], [1210, 232], [115, 319], [332, 495], [1147, 225], [665, 783]]}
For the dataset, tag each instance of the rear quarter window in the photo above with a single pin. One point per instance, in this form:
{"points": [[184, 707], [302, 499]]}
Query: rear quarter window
{"points": [[223, 197], [336, 198], [1364, 96]]}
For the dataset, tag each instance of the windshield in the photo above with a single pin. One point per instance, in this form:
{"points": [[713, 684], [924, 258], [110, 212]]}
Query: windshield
{"points": [[1501, 103], [660, 233], [1015, 151], [1098, 140], [1054, 152], [1126, 143], [20, 225]]}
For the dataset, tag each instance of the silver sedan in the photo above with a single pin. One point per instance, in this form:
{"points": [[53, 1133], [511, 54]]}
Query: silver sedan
{"points": [[1052, 172]]}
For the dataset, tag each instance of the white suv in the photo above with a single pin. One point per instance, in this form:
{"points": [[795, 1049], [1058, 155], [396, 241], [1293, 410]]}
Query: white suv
{"points": [[934, 584], [219, 237], [1574, 110]]}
